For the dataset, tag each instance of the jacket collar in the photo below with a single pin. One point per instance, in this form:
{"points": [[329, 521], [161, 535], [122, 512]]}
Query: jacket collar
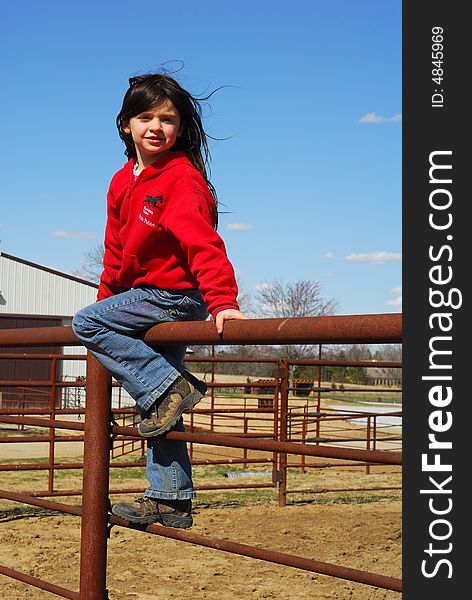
{"points": [[161, 164]]}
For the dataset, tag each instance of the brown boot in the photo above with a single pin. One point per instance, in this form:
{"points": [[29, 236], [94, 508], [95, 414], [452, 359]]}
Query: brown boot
{"points": [[181, 397], [144, 511]]}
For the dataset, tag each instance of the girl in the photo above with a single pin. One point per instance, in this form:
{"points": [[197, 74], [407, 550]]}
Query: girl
{"points": [[163, 261]]}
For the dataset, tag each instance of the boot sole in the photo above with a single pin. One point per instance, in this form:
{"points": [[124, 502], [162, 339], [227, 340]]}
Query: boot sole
{"points": [[186, 406], [168, 520]]}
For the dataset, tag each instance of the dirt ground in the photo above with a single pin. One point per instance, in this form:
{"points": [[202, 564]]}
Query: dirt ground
{"points": [[357, 529], [361, 534], [147, 567]]}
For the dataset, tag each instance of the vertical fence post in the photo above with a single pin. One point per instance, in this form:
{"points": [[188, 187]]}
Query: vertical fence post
{"points": [[52, 431], [191, 443], [284, 388], [93, 547], [22, 414], [245, 430], [368, 435], [304, 435], [275, 415], [374, 434], [212, 391], [318, 402]]}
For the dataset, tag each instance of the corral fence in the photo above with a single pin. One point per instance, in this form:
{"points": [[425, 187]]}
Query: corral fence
{"points": [[244, 408], [100, 430]]}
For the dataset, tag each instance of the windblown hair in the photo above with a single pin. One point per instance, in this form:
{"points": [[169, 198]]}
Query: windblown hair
{"points": [[147, 91]]}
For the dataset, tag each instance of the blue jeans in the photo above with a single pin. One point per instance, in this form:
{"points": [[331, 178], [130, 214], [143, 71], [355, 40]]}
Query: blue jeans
{"points": [[113, 330]]}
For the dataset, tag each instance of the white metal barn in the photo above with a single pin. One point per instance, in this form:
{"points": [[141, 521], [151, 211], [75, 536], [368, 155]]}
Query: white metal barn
{"points": [[33, 295]]}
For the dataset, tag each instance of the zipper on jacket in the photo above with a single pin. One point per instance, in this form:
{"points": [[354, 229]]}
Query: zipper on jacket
{"points": [[132, 186]]}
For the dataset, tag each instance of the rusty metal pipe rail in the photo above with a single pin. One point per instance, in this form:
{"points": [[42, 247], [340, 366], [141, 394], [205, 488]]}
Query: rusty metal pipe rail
{"points": [[241, 486], [223, 359], [218, 439], [65, 384], [41, 438], [280, 558], [327, 330], [40, 384], [345, 389], [329, 362], [39, 583], [66, 411], [330, 490], [127, 465], [140, 490], [351, 329], [346, 416], [26, 356], [227, 359], [41, 411]]}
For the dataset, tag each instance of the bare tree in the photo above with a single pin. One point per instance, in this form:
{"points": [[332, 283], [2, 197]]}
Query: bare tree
{"points": [[296, 299], [390, 352], [356, 352], [244, 297], [92, 266]]}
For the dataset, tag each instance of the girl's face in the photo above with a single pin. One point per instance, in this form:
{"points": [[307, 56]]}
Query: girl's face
{"points": [[154, 131]]}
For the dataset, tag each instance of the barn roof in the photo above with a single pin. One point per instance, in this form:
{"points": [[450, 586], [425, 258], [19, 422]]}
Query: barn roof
{"points": [[47, 269], [27, 288]]}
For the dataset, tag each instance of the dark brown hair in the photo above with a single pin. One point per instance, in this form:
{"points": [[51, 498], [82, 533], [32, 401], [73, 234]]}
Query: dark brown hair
{"points": [[147, 91]]}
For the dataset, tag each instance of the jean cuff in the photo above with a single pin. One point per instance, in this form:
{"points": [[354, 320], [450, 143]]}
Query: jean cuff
{"points": [[159, 391], [190, 495]]}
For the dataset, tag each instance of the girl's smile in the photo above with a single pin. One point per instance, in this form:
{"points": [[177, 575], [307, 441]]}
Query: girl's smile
{"points": [[154, 131]]}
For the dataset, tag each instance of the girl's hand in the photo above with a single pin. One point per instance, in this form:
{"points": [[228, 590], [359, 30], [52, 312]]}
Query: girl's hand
{"points": [[227, 315]]}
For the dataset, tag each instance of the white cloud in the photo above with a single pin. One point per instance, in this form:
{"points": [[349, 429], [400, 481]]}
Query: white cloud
{"points": [[239, 226], [398, 300], [375, 118], [73, 235], [374, 258], [330, 254], [371, 118]]}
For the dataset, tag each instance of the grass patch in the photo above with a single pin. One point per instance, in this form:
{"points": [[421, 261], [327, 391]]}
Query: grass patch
{"points": [[312, 479], [125, 474], [236, 498]]}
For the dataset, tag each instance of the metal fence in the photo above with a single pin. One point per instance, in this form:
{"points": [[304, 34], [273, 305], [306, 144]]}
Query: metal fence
{"points": [[99, 432]]}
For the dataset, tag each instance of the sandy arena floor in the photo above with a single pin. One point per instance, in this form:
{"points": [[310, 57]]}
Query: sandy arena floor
{"points": [[359, 530], [148, 567]]}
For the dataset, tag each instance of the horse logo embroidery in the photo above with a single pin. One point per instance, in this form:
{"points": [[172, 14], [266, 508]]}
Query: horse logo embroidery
{"points": [[153, 201]]}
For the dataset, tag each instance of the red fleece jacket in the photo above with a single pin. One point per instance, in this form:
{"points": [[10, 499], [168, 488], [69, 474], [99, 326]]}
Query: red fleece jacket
{"points": [[160, 232]]}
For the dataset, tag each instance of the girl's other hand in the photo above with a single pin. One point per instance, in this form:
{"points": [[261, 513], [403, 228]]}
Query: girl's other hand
{"points": [[227, 315]]}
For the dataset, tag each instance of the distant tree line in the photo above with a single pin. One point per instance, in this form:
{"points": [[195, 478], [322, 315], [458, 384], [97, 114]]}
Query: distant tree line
{"points": [[335, 374], [279, 299]]}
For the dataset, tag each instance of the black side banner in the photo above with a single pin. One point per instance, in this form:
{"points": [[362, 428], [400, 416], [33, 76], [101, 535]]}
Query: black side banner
{"points": [[437, 344]]}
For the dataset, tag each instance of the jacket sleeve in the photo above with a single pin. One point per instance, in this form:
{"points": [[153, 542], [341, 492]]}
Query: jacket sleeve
{"points": [[113, 253], [189, 217]]}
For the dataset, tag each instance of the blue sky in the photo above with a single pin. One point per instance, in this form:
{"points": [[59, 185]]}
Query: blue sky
{"points": [[310, 173]]}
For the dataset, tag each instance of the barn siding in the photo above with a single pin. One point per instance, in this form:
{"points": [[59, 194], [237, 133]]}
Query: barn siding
{"points": [[28, 289], [26, 370], [35, 296]]}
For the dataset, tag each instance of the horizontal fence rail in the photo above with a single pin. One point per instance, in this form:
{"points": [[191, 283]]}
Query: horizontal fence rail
{"points": [[352, 329], [280, 558], [99, 430], [215, 439]]}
